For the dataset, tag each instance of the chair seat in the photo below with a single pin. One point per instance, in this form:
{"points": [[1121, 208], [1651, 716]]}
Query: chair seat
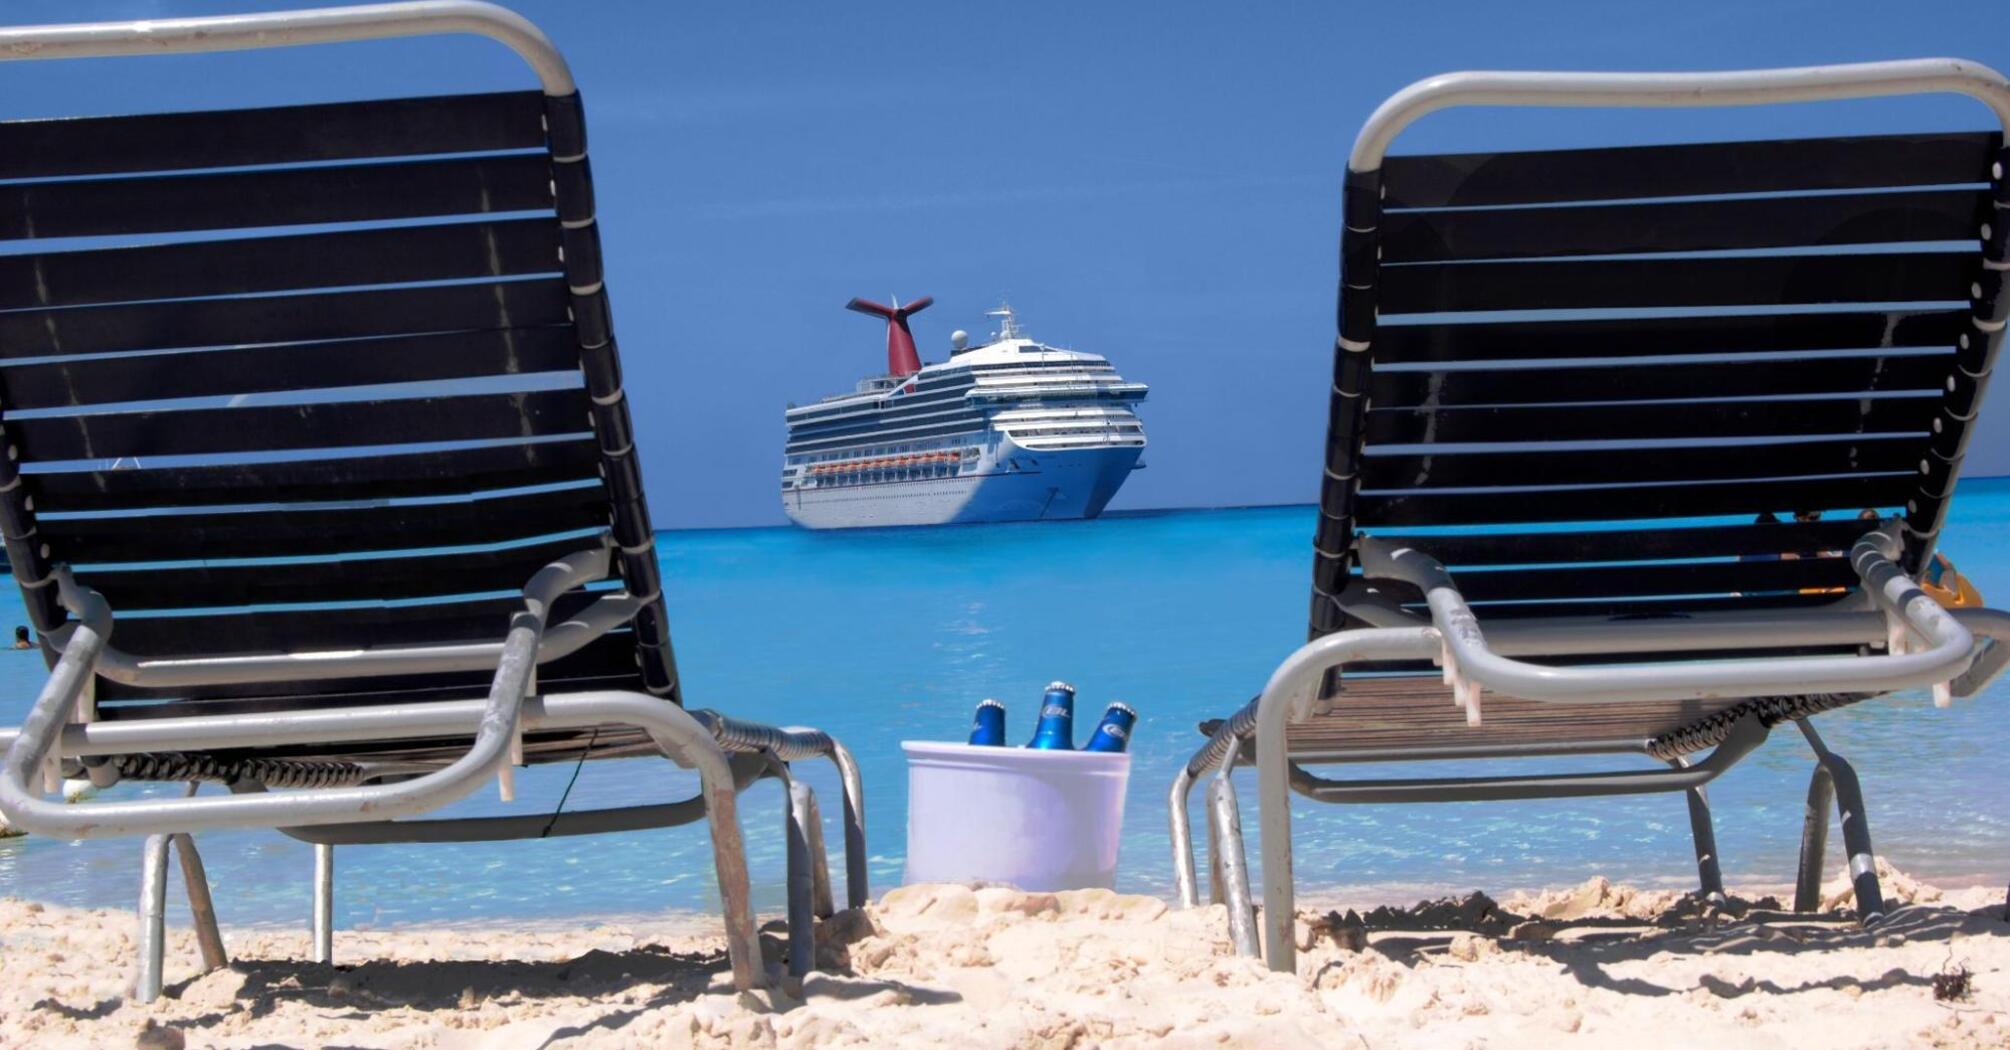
{"points": [[1414, 713]]}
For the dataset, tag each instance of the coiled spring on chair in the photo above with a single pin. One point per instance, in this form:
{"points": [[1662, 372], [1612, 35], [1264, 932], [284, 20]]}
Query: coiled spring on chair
{"points": [[1772, 710], [1704, 733], [1231, 732], [789, 745], [271, 772]]}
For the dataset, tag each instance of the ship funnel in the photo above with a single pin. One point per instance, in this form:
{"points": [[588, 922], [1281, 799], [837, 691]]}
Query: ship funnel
{"points": [[901, 360]]}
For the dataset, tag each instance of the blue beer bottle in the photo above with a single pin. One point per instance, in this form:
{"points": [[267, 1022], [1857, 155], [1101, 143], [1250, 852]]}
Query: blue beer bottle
{"points": [[988, 729], [1056, 731], [1113, 733]]}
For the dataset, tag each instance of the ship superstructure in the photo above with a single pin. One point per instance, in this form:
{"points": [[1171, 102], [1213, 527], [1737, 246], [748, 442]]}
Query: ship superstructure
{"points": [[1013, 430]]}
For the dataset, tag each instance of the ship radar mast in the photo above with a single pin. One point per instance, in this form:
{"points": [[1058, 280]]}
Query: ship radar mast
{"points": [[1008, 323]]}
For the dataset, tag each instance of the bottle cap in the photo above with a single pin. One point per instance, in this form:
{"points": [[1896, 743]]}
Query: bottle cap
{"points": [[989, 702], [1119, 705], [1052, 686]]}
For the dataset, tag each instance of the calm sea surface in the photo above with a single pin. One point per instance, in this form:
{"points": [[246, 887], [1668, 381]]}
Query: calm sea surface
{"points": [[885, 636]]}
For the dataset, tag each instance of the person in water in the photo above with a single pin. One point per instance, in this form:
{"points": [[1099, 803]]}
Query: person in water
{"points": [[21, 638]]}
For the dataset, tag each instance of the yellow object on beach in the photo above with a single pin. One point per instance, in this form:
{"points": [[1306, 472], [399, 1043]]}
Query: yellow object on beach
{"points": [[1948, 587]]}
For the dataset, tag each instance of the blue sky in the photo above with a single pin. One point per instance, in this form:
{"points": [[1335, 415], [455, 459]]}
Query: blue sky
{"points": [[1158, 184]]}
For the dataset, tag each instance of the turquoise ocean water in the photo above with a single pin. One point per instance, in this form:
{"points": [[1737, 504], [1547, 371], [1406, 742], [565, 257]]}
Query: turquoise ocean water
{"points": [[890, 635]]}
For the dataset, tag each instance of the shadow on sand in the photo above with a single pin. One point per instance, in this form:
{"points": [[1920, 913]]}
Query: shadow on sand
{"points": [[1589, 948], [359, 991]]}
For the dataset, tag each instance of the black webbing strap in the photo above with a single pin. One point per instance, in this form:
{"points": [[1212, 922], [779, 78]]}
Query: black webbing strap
{"points": [[1360, 246], [1968, 378], [599, 362]]}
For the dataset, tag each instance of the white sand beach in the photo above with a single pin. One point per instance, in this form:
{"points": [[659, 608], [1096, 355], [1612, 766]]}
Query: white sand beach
{"points": [[952, 966]]}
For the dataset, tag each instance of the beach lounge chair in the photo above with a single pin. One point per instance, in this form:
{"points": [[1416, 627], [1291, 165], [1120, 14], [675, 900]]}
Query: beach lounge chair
{"points": [[338, 433], [1567, 387]]}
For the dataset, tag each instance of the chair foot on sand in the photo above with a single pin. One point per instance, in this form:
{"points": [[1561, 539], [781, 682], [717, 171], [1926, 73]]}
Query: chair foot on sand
{"points": [[323, 925], [153, 912], [1834, 783], [809, 883], [1703, 832]]}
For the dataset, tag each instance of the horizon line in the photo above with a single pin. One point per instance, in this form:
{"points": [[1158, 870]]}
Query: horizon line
{"points": [[1127, 512]]}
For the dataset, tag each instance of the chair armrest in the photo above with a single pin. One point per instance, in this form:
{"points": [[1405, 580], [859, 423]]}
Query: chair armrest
{"points": [[23, 807], [1950, 653]]}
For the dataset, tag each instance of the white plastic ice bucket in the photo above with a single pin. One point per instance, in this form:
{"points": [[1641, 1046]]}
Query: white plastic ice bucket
{"points": [[1037, 820]]}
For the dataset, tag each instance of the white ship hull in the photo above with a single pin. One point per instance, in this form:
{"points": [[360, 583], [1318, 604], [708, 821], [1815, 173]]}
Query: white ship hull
{"points": [[1012, 485], [1014, 430]]}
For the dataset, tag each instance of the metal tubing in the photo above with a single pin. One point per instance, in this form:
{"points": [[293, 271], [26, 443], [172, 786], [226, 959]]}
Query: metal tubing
{"points": [[1703, 834], [1459, 752], [287, 28], [812, 820], [324, 903], [1844, 623], [1216, 878], [1861, 856], [1234, 730], [1814, 840], [802, 920], [746, 770], [1287, 697], [1856, 840], [560, 639], [675, 731], [857, 880], [1226, 818], [1742, 88], [153, 911], [793, 743], [1182, 839], [208, 938], [1744, 738], [498, 721], [680, 734], [1994, 625], [1951, 653], [153, 919], [32, 754]]}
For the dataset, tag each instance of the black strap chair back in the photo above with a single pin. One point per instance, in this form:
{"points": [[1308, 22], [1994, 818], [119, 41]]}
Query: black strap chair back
{"points": [[313, 378], [1604, 428], [1580, 378]]}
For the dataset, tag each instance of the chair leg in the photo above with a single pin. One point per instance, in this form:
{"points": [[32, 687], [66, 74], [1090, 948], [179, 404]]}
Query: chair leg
{"points": [[801, 887], [821, 902], [1703, 832], [153, 919], [1182, 839], [857, 880], [1835, 779], [729, 858], [201, 908], [153, 910], [1225, 817], [1217, 879], [1856, 841], [324, 903], [1273, 802], [1814, 840]]}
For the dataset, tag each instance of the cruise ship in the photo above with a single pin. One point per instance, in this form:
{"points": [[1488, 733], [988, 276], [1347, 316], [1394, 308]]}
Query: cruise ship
{"points": [[1013, 430]]}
